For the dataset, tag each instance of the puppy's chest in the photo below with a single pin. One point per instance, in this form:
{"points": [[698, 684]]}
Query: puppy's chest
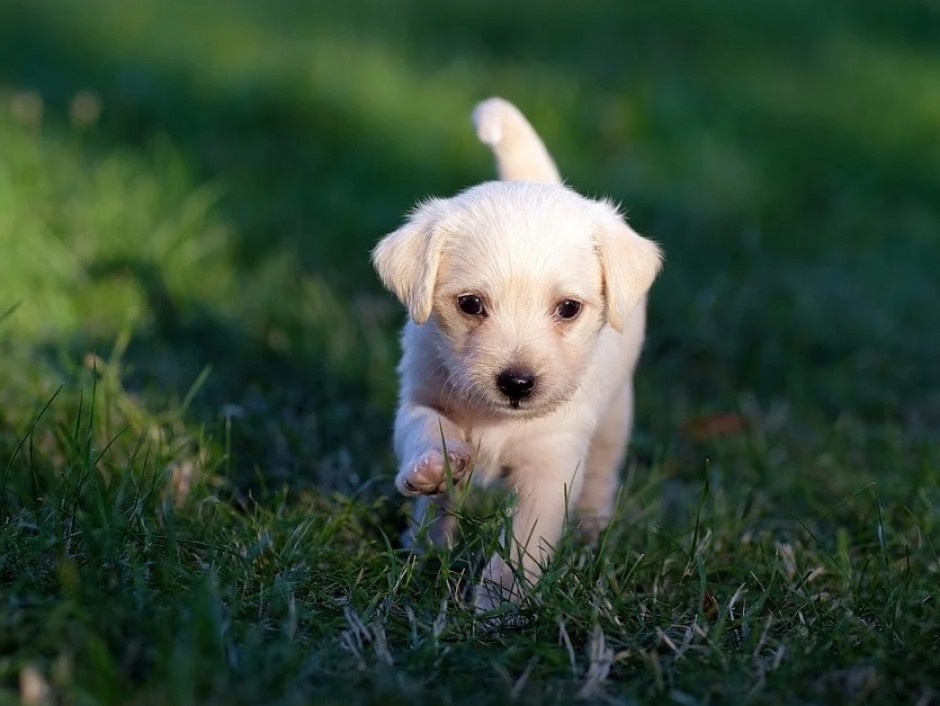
{"points": [[498, 450], [488, 462]]}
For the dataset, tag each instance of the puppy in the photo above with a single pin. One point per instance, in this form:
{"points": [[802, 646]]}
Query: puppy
{"points": [[527, 316]]}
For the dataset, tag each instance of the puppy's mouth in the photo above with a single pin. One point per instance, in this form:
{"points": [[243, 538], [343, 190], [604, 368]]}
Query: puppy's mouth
{"points": [[528, 408], [518, 408], [501, 407]]}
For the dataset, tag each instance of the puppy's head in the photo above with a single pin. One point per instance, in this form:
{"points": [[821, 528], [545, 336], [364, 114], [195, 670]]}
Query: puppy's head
{"points": [[518, 279]]}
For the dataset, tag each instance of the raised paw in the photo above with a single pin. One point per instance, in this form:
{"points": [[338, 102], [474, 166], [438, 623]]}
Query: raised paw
{"points": [[428, 474]]}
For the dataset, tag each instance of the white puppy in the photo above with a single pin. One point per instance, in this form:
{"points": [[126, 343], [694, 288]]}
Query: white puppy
{"points": [[527, 306]]}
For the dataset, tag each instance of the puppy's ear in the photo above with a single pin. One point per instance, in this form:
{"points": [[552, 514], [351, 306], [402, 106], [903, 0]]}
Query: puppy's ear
{"points": [[629, 264], [407, 259]]}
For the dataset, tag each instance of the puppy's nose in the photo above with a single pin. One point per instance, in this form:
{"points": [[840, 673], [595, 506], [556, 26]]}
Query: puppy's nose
{"points": [[515, 384]]}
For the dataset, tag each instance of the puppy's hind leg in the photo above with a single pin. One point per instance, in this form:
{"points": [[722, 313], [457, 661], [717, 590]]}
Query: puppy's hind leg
{"points": [[595, 506]]}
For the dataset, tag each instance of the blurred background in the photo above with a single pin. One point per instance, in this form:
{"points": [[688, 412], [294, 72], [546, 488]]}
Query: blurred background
{"points": [[189, 192]]}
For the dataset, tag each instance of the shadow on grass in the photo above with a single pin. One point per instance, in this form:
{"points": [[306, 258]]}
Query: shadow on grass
{"points": [[291, 418]]}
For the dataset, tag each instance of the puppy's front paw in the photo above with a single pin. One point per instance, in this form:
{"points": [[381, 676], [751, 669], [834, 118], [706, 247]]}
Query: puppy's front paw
{"points": [[427, 475], [499, 587]]}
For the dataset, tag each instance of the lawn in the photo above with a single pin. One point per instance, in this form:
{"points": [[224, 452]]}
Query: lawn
{"points": [[197, 379]]}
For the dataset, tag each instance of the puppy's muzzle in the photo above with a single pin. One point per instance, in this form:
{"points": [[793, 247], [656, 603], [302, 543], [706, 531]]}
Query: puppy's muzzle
{"points": [[515, 384]]}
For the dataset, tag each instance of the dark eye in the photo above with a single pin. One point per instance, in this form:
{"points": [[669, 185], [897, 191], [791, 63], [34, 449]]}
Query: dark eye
{"points": [[568, 309], [471, 304]]}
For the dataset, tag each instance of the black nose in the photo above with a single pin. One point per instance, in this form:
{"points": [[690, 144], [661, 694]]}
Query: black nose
{"points": [[514, 384]]}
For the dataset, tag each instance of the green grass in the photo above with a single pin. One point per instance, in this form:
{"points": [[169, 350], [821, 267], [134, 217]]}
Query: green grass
{"points": [[198, 363]]}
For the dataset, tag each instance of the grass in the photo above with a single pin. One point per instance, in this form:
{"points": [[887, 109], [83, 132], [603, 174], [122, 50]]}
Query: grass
{"points": [[195, 474]]}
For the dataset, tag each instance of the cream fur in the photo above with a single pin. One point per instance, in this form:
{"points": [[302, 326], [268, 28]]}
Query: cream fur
{"points": [[522, 245]]}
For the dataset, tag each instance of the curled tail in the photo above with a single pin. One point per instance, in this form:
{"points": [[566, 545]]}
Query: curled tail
{"points": [[520, 152]]}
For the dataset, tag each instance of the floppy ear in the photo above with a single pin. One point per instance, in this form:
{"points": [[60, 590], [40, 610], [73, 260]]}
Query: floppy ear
{"points": [[407, 259], [629, 264]]}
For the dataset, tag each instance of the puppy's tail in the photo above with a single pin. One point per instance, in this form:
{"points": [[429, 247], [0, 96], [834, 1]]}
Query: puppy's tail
{"points": [[520, 152]]}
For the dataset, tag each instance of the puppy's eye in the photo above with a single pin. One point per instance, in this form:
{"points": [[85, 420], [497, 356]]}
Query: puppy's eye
{"points": [[471, 304], [568, 309]]}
